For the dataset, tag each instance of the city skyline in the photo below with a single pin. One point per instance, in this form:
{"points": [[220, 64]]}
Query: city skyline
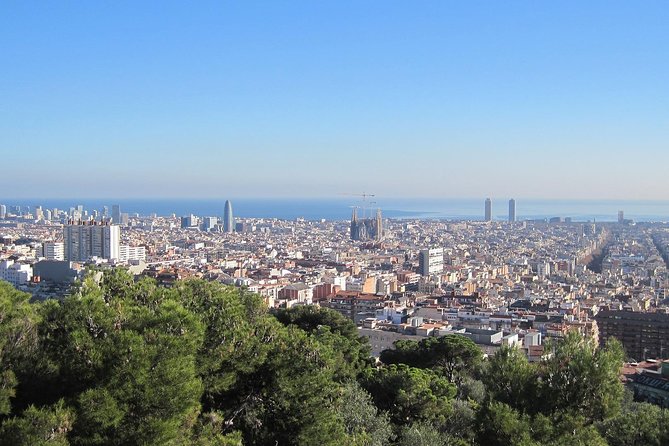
{"points": [[270, 95]]}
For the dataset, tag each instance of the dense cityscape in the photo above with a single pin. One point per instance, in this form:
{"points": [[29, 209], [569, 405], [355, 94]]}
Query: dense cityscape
{"points": [[334, 223], [499, 283]]}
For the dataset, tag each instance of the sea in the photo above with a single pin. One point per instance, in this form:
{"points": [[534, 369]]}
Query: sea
{"points": [[341, 208]]}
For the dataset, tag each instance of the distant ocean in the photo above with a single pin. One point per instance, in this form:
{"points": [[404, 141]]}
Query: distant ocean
{"points": [[340, 208]]}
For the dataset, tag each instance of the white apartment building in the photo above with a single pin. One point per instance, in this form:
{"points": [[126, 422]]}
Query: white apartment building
{"points": [[431, 261], [132, 253], [84, 240], [53, 251], [15, 273]]}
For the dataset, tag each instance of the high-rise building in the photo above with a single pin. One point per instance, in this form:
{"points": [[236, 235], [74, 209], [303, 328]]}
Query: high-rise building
{"points": [[512, 210], [3, 211], [209, 223], [488, 209], [644, 335], [116, 214], [84, 240], [621, 216], [189, 221], [53, 250], [365, 229], [431, 261], [228, 218]]}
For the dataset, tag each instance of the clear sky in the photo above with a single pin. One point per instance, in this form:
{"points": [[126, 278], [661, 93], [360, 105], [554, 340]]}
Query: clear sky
{"points": [[536, 99]]}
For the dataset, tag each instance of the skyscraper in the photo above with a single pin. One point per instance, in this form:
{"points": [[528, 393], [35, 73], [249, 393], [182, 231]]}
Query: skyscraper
{"points": [[488, 209], [228, 219], [512, 210], [621, 216], [3, 211], [116, 214]]}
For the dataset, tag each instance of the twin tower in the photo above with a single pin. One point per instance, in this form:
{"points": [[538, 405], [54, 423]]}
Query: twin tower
{"points": [[488, 210]]}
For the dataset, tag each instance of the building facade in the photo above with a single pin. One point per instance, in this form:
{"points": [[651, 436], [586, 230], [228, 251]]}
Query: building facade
{"points": [[366, 229], [512, 210], [644, 335], [15, 273], [228, 218], [431, 261], [84, 240], [53, 250]]}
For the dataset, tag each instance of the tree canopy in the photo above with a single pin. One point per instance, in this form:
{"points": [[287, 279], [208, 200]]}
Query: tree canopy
{"points": [[125, 361]]}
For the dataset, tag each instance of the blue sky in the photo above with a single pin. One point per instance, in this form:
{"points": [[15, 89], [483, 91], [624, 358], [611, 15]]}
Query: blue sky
{"points": [[289, 98]]}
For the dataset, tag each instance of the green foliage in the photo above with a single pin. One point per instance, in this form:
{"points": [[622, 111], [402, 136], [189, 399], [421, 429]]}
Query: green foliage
{"points": [[99, 415], [511, 379], [501, 425], [238, 333], [311, 318], [581, 378], [127, 360], [460, 425], [46, 426], [18, 340], [331, 328], [291, 398], [209, 432], [471, 389], [453, 356], [364, 425], [121, 361], [409, 394], [421, 434], [637, 424]]}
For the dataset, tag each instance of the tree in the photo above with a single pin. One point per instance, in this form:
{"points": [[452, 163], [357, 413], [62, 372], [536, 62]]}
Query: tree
{"points": [[332, 328], [18, 340], [237, 338], [311, 317], [637, 424], [421, 434], [291, 398], [453, 356], [136, 358], [47, 426], [409, 394], [404, 351], [501, 425], [572, 429], [581, 378], [362, 422], [460, 425], [512, 380]]}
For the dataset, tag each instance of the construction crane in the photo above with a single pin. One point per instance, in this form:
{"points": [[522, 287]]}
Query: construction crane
{"points": [[364, 196]]}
